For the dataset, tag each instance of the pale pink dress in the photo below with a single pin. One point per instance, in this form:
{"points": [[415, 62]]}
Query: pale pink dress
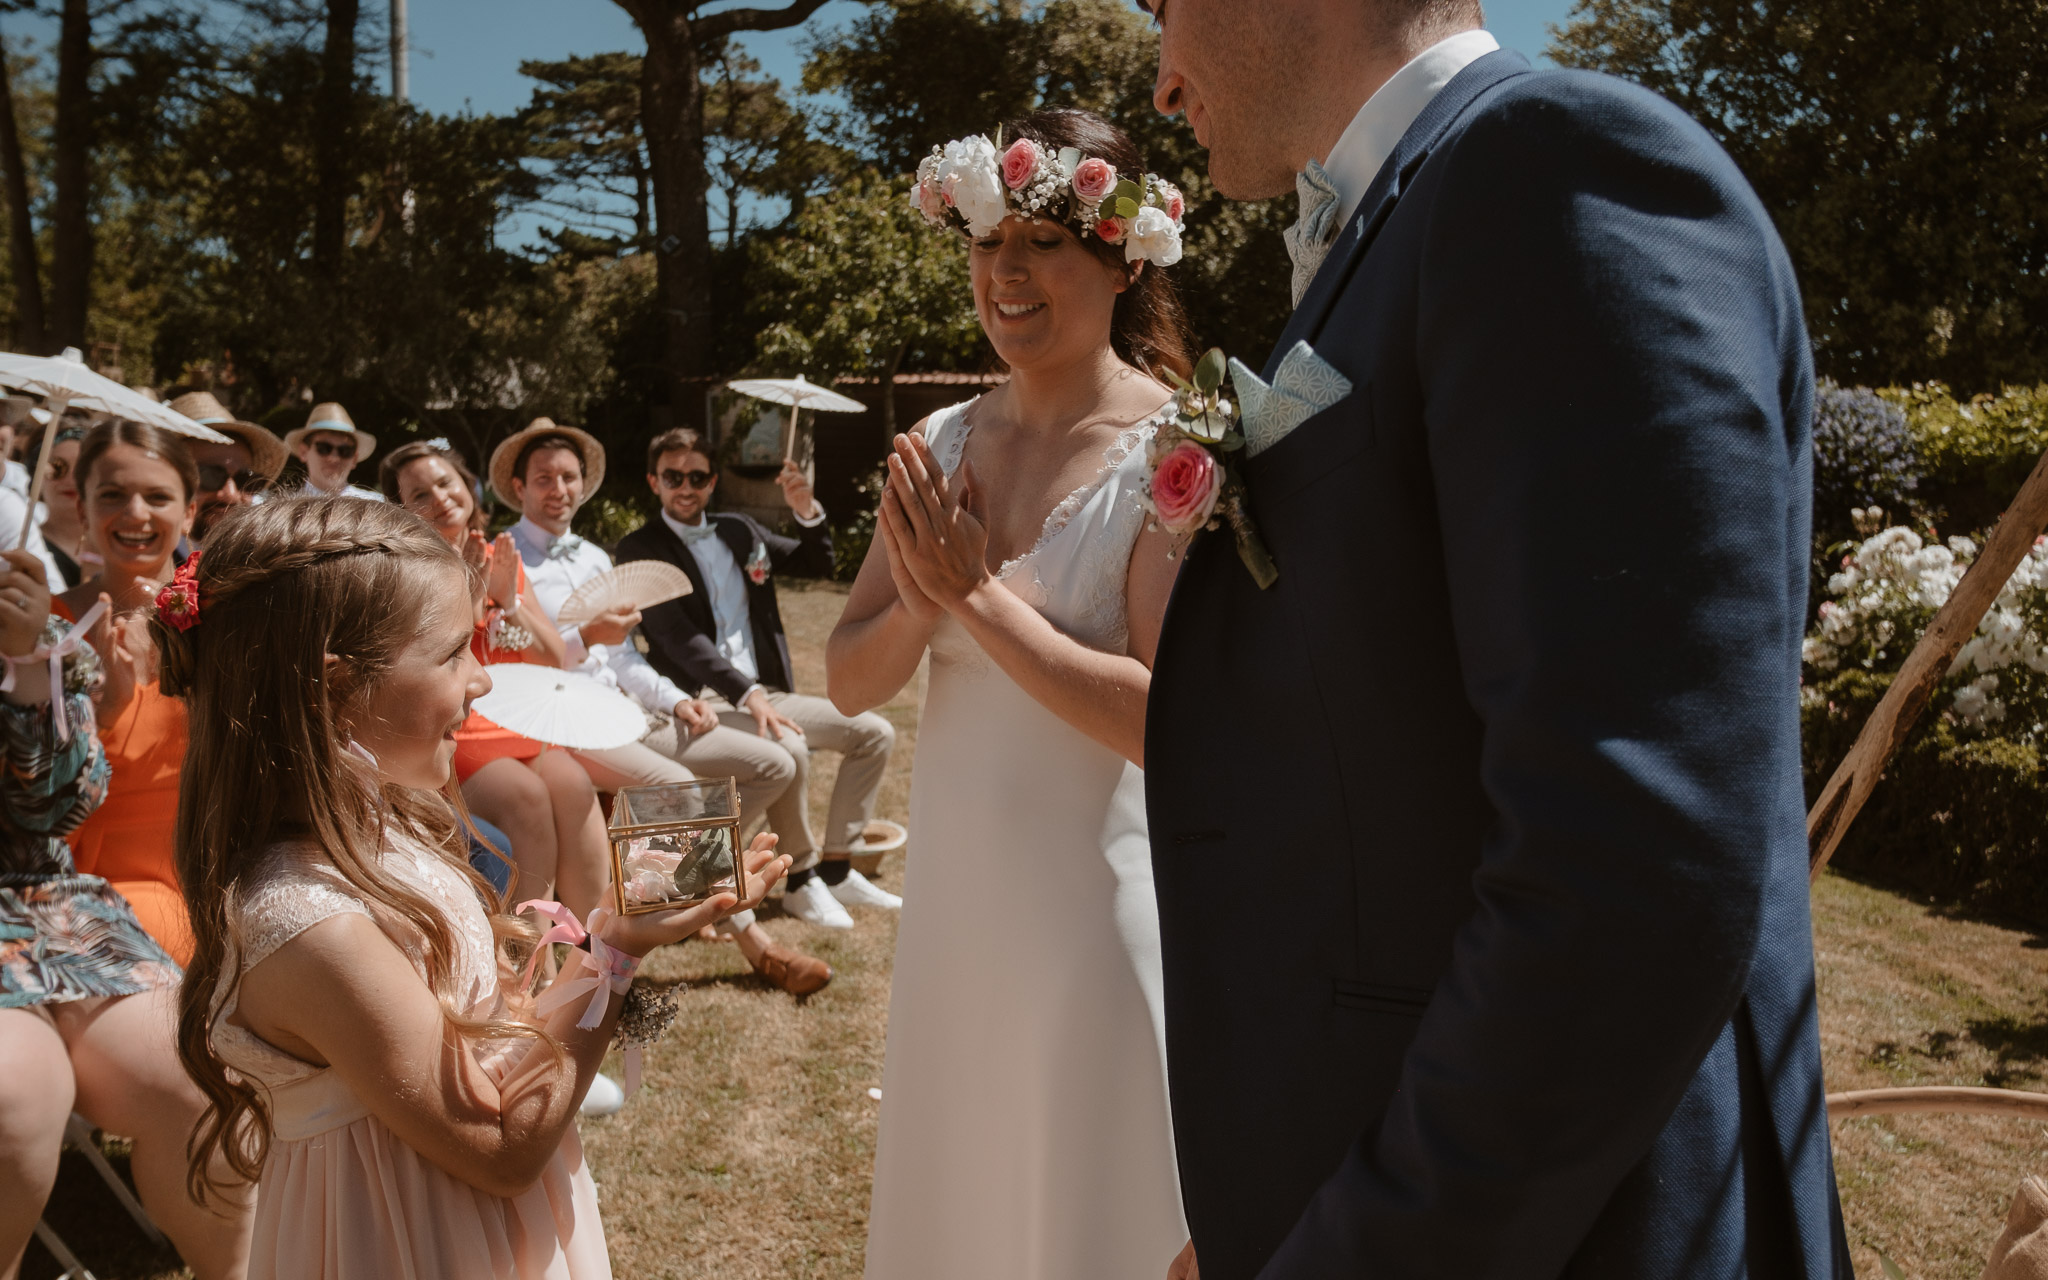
{"points": [[341, 1197]]}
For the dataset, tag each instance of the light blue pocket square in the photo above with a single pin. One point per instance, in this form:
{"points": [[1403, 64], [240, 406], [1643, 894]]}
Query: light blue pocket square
{"points": [[1305, 385]]}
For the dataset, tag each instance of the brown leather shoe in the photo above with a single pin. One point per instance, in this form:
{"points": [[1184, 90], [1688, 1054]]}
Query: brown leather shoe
{"points": [[793, 971]]}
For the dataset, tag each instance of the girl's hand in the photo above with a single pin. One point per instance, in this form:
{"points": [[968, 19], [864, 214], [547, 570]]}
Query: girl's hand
{"points": [[502, 580], [24, 603], [942, 543], [761, 867]]}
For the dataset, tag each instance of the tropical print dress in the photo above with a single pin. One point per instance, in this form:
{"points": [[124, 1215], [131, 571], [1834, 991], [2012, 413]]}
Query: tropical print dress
{"points": [[63, 936]]}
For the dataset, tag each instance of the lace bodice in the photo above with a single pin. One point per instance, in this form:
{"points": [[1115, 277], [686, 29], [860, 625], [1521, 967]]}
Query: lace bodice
{"points": [[1075, 573], [293, 888]]}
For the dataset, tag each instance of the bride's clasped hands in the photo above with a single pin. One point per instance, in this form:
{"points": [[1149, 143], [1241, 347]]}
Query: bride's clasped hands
{"points": [[931, 528]]}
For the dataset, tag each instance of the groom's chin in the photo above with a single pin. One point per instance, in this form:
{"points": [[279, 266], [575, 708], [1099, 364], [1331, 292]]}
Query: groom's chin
{"points": [[1242, 175]]}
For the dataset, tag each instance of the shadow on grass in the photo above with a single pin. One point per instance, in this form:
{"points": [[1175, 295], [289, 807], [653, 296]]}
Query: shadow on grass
{"points": [[1946, 908]]}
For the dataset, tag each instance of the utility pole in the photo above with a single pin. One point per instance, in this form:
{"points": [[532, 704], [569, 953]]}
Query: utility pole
{"points": [[401, 81]]}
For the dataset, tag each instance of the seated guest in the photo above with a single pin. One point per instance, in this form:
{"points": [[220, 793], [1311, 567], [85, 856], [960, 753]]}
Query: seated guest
{"points": [[65, 547], [330, 446], [351, 1011], [726, 637], [137, 487], [233, 474], [547, 472], [19, 419], [88, 1001]]}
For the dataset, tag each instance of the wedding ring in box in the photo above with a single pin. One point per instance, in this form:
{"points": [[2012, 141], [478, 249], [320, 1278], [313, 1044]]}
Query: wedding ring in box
{"points": [[675, 843]]}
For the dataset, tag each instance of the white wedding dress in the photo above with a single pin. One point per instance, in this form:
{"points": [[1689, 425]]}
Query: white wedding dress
{"points": [[1024, 1127]]}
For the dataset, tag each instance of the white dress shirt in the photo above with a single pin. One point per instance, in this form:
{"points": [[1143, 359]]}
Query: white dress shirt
{"points": [[555, 567], [1379, 125], [725, 583]]}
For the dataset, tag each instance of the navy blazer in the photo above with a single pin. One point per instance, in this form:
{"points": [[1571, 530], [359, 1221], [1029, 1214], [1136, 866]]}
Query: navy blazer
{"points": [[679, 632], [1521, 771]]}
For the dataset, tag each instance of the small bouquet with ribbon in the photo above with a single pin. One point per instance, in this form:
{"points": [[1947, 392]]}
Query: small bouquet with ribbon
{"points": [[1194, 481]]}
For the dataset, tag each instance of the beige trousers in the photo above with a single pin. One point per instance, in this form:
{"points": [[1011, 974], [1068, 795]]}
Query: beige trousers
{"points": [[773, 775]]}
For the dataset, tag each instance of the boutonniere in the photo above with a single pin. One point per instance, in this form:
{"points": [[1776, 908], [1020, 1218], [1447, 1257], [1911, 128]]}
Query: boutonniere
{"points": [[1193, 479], [757, 564]]}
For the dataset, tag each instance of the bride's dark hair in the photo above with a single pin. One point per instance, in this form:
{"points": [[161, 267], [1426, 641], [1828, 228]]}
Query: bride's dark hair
{"points": [[1148, 328]]}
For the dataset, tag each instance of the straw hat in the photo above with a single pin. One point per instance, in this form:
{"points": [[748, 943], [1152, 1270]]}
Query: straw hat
{"points": [[267, 453], [332, 417], [507, 453]]}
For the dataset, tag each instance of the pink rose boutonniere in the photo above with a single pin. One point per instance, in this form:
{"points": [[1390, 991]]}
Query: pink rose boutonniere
{"points": [[1194, 481], [757, 564]]}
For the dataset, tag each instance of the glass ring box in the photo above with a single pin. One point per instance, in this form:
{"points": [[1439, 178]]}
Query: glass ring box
{"points": [[675, 843]]}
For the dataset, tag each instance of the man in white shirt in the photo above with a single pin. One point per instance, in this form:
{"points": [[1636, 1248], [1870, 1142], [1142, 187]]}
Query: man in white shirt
{"points": [[726, 637], [330, 445], [547, 472]]}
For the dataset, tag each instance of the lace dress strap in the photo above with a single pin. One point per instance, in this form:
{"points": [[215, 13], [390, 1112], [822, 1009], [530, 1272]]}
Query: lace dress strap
{"points": [[946, 431], [294, 893]]}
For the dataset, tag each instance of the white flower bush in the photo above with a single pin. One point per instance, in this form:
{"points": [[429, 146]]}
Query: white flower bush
{"points": [[1885, 595]]}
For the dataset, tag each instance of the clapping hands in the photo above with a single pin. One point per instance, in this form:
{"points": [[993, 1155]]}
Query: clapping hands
{"points": [[931, 528]]}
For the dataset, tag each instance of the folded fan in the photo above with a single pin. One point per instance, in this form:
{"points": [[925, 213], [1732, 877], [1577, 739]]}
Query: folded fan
{"points": [[637, 584], [561, 708]]}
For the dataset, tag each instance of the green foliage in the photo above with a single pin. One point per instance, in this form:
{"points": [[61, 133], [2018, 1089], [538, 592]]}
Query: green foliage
{"points": [[858, 284], [1960, 817], [917, 73], [1976, 452], [852, 536], [1899, 144]]}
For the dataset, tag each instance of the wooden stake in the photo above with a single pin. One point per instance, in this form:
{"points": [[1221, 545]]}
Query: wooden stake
{"points": [[1948, 1100], [1885, 732]]}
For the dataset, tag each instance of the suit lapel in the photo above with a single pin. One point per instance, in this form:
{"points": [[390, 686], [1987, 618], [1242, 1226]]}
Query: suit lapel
{"points": [[698, 602], [1385, 192]]}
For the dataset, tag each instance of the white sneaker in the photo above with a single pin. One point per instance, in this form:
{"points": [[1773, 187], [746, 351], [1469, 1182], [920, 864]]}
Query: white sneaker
{"points": [[814, 904], [859, 891], [605, 1097]]}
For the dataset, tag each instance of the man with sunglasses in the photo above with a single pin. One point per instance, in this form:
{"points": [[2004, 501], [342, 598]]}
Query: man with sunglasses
{"points": [[725, 640], [330, 445], [234, 474]]}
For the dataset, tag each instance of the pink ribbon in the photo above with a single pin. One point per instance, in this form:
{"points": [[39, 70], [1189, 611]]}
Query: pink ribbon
{"points": [[607, 970], [72, 640]]}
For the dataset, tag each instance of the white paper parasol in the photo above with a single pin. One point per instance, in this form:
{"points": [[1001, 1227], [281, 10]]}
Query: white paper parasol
{"points": [[64, 381], [799, 394], [561, 708], [636, 584]]}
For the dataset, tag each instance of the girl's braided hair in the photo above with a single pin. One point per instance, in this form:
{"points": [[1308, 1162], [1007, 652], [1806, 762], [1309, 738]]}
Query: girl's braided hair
{"points": [[304, 603]]}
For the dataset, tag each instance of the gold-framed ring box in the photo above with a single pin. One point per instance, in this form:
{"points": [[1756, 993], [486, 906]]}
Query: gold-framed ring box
{"points": [[675, 843]]}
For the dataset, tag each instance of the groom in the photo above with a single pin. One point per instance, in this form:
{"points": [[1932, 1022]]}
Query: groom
{"points": [[1531, 755]]}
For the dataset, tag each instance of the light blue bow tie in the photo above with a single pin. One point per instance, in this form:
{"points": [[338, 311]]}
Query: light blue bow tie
{"points": [[566, 545], [1315, 229], [694, 533]]}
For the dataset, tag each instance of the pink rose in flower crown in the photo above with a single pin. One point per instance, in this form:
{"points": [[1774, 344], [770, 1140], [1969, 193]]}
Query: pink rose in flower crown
{"points": [[929, 201], [1185, 486], [1019, 163], [1109, 231], [1175, 206], [1094, 178]]}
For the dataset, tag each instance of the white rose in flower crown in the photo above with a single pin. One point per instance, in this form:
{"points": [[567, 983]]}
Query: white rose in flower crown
{"points": [[1153, 238], [973, 178]]}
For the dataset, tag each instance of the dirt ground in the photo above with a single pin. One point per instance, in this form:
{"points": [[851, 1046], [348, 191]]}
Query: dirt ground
{"points": [[746, 1155]]}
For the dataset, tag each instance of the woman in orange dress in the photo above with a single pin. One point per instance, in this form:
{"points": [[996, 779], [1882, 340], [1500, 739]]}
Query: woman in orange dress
{"points": [[541, 799], [136, 497]]}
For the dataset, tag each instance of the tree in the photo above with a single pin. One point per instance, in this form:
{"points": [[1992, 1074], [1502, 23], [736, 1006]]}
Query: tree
{"points": [[680, 38], [30, 327], [858, 284], [71, 221], [585, 122], [1900, 145]]}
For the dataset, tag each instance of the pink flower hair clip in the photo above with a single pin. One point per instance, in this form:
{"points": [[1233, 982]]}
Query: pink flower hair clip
{"points": [[177, 605]]}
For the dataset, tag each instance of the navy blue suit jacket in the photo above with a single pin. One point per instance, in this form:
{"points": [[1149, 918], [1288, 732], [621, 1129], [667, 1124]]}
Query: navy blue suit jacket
{"points": [[1520, 784]]}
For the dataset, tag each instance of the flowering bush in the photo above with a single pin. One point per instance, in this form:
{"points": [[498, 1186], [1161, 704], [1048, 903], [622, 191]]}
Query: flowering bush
{"points": [[1885, 595], [1863, 453]]}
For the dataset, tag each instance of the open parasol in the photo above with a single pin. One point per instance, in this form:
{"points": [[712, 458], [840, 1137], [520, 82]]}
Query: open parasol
{"points": [[64, 381], [798, 393], [561, 708]]}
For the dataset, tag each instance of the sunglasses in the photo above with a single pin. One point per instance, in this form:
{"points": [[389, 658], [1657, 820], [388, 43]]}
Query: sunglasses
{"points": [[213, 477], [677, 479], [328, 449]]}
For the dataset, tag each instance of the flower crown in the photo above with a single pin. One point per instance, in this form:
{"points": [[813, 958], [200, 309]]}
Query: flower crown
{"points": [[966, 184]]}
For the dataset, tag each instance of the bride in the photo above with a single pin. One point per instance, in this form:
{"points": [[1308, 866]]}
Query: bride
{"points": [[1024, 1124]]}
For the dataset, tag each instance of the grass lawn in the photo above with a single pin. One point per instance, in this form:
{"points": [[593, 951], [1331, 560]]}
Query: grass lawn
{"points": [[747, 1153]]}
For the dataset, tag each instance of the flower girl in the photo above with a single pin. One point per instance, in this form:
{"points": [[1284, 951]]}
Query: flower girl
{"points": [[349, 1010]]}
